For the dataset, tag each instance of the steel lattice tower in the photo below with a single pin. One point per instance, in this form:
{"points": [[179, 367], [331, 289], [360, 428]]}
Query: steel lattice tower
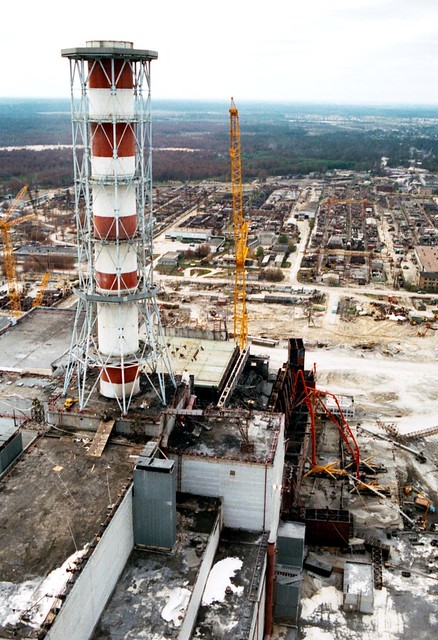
{"points": [[117, 331]]}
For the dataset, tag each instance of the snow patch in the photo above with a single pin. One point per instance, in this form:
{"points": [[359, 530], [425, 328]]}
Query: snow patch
{"points": [[32, 600], [330, 597], [385, 623], [318, 634], [176, 606], [219, 579]]}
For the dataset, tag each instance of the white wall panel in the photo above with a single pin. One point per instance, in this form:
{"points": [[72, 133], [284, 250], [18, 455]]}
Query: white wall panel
{"points": [[91, 591], [201, 580], [243, 493], [250, 491]]}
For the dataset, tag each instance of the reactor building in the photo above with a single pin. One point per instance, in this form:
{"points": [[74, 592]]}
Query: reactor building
{"points": [[152, 478]]}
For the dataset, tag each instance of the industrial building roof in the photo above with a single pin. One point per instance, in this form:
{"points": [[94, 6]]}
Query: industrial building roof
{"points": [[36, 341], [149, 598], [226, 609], [230, 435], [428, 257], [54, 501], [358, 578], [37, 345], [207, 360], [46, 250]]}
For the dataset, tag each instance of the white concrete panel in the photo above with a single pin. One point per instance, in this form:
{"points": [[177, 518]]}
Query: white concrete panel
{"points": [[109, 258], [104, 103], [249, 485], [122, 167], [91, 591], [117, 328], [111, 201]]}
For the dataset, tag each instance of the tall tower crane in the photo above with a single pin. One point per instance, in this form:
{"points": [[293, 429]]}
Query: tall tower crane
{"points": [[240, 227], [41, 291], [6, 225]]}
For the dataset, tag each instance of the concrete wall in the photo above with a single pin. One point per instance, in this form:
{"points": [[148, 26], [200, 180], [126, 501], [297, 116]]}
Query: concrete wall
{"points": [[254, 485], [191, 332], [258, 621], [11, 445], [236, 483], [198, 589], [75, 420], [91, 591]]}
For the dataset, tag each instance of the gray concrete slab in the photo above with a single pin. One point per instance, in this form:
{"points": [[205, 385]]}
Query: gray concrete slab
{"points": [[36, 341], [225, 435], [53, 502]]}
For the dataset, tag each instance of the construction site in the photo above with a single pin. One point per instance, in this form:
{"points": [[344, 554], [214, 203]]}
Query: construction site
{"points": [[198, 454]]}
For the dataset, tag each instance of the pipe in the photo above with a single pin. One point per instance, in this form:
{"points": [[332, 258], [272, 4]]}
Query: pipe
{"points": [[392, 441], [270, 584]]}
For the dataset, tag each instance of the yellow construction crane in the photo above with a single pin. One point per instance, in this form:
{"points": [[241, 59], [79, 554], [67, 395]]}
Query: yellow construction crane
{"points": [[40, 295], [6, 225], [240, 227]]}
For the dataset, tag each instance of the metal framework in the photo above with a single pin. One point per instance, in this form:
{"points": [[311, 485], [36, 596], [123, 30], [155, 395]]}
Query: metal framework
{"points": [[240, 228], [41, 291], [302, 393], [6, 225], [120, 304]]}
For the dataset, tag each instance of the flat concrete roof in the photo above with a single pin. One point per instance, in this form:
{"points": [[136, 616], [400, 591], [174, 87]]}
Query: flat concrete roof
{"points": [[359, 578], [207, 360], [225, 434], [229, 615], [41, 337], [428, 256], [54, 501], [38, 339], [46, 250]]}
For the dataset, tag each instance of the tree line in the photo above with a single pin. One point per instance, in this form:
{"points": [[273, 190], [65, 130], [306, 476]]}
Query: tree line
{"points": [[268, 148]]}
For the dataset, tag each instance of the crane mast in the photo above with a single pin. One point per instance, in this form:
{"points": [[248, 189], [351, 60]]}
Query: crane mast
{"points": [[6, 225], [240, 228]]}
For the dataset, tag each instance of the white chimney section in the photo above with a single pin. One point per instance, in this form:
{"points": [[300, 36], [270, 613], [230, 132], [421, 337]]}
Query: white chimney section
{"points": [[118, 331]]}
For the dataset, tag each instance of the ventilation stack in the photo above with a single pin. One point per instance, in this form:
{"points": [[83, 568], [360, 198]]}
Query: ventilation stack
{"points": [[117, 331]]}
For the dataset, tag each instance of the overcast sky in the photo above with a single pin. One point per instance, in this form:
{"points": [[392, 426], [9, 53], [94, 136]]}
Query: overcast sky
{"points": [[337, 51]]}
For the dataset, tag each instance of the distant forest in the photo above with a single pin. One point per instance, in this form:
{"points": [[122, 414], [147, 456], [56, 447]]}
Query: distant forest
{"points": [[277, 139]]}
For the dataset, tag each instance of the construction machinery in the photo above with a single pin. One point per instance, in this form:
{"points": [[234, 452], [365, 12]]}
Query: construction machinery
{"points": [[240, 228], [6, 225], [302, 393], [40, 295], [69, 402], [421, 502]]}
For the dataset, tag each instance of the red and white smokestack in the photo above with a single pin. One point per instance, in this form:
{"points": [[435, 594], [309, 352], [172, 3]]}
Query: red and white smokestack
{"points": [[117, 328], [111, 113]]}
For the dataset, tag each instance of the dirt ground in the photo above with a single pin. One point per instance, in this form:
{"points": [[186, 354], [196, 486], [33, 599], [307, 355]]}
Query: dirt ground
{"points": [[391, 370]]}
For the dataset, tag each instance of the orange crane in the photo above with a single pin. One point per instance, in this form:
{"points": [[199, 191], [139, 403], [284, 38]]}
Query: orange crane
{"points": [[6, 225], [240, 228], [302, 393], [40, 295]]}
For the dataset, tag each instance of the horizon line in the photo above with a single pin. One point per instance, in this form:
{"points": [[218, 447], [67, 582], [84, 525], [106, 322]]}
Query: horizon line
{"points": [[283, 101]]}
